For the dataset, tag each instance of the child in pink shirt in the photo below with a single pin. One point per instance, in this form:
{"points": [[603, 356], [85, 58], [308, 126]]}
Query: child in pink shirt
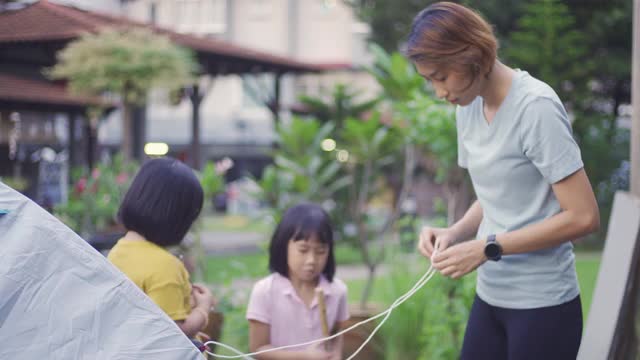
{"points": [[283, 309]]}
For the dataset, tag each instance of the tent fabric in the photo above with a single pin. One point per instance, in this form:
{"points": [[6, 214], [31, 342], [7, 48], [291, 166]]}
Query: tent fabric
{"points": [[60, 299]]}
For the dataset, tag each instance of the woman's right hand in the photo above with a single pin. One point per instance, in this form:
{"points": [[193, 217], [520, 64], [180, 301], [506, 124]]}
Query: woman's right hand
{"points": [[430, 236]]}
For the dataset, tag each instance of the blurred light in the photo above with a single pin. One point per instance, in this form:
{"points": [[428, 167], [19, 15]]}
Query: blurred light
{"points": [[328, 145], [156, 149], [343, 156]]}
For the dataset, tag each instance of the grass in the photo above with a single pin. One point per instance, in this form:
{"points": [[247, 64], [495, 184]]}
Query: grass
{"points": [[234, 223], [587, 266], [223, 269]]}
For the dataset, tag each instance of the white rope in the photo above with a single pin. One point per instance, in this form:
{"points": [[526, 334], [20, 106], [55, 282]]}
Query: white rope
{"points": [[423, 281]]}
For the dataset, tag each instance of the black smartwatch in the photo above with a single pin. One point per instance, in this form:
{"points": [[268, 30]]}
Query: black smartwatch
{"points": [[492, 249]]}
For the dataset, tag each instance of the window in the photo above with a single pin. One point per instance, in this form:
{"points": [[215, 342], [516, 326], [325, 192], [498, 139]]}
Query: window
{"points": [[206, 17]]}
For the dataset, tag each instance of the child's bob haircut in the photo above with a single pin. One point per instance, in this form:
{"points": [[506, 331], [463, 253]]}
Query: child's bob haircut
{"points": [[300, 222], [452, 37], [164, 200]]}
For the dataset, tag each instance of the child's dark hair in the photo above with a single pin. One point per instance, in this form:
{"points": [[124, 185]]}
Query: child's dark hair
{"points": [[300, 223], [164, 200]]}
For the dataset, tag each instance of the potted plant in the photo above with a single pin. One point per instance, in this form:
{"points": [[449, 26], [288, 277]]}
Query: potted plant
{"points": [[94, 200]]}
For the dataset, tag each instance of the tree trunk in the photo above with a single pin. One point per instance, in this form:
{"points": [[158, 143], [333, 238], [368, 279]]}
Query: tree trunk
{"points": [[127, 136], [92, 142], [451, 193], [371, 260], [196, 100], [368, 286]]}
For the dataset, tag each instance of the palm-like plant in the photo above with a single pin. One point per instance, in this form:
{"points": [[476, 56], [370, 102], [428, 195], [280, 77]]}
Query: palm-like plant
{"points": [[342, 105]]}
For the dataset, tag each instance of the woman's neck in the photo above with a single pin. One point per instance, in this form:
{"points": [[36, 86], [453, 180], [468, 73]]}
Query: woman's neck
{"points": [[497, 85]]}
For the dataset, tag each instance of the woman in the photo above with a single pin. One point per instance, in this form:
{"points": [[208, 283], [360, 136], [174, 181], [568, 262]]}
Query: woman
{"points": [[534, 196]]}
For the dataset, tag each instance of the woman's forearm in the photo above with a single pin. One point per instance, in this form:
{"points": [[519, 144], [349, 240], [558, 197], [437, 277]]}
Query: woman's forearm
{"points": [[467, 227], [564, 226]]}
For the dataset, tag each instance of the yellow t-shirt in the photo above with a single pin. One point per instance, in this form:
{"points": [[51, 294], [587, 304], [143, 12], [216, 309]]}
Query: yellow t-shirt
{"points": [[157, 272]]}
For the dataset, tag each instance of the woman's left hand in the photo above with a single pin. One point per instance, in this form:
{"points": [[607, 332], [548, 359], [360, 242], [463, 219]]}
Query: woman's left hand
{"points": [[461, 259]]}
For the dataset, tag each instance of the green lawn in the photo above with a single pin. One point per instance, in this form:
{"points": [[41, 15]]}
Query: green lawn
{"points": [[587, 266], [223, 269], [231, 223]]}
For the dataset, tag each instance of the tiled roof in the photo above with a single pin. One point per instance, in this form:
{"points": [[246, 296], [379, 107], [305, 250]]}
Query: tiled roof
{"points": [[48, 21], [27, 91]]}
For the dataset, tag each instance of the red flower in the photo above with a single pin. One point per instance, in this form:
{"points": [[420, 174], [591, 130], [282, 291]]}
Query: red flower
{"points": [[81, 185], [122, 178]]}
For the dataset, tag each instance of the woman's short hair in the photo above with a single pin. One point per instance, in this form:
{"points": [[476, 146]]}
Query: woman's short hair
{"points": [[164, 200], [301, 222], [452, 37]]}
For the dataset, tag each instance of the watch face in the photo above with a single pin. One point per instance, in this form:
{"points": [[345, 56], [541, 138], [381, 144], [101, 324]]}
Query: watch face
{"points": [[492, 250]]}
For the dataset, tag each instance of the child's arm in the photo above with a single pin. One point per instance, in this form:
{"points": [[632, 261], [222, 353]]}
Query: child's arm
{"points": [[259, 339], [195, 322], [199, 317]]}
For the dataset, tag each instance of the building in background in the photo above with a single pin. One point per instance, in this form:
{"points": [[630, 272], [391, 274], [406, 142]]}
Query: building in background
{"points": [[235, 120], [31, 33]]}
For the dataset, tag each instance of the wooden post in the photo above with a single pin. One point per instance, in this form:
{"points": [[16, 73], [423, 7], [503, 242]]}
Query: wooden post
{"points": [[635, 103], [323, 314], [72, 146], [276, 98]]}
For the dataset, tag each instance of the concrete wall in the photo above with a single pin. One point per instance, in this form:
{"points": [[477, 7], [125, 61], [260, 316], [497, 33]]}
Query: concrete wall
{"points": [[108, 6]]}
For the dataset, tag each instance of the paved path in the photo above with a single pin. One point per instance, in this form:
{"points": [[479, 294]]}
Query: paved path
{"points": [[231, 242]]}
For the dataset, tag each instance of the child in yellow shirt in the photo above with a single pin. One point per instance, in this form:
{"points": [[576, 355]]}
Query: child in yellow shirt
{"points": [[164, 200]]}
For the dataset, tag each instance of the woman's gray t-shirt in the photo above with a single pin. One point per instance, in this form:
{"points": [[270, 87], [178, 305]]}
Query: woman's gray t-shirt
{"points": [[512, 162]]}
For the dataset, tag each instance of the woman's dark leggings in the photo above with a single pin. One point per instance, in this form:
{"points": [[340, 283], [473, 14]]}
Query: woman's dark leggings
{"points": [[549, 333]]}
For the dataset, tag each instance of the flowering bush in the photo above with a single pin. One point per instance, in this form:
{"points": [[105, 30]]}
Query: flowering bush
{"points": [[95, 197]]}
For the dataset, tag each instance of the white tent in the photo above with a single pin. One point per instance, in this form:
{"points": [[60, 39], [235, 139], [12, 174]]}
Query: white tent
{"points": [[61, 300]]}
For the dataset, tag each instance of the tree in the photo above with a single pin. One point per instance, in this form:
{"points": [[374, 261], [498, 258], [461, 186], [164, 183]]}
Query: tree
{"points": [[432, 127], [549, 46], [302, 171], [428, 125], [390, 21], [553, 45], [124, 63], [373, 148]]}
